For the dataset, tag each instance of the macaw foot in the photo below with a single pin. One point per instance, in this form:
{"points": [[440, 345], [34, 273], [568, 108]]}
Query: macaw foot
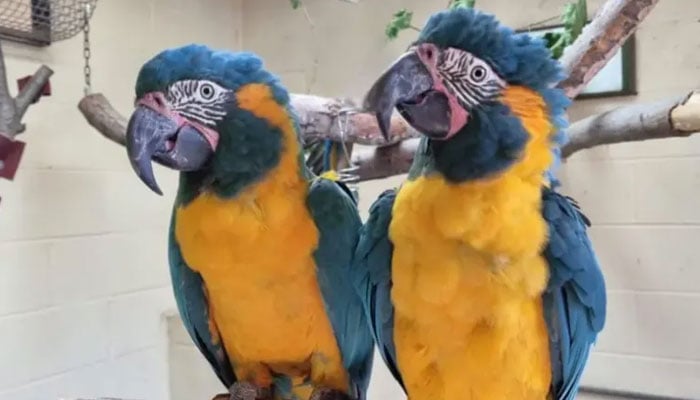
{"points": [[248, 391], [329, 394]]}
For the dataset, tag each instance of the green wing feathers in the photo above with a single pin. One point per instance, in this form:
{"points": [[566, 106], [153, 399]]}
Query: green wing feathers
{"points": [[337, 219]]}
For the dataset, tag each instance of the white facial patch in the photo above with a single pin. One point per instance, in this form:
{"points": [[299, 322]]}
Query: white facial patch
{"points": [[470, 79], [199, 100]]}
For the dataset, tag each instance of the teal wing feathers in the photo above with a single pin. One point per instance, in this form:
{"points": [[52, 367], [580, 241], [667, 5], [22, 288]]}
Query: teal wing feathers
{"points": [[373, 263], [192, 304], [575, 299], [338, 222]]}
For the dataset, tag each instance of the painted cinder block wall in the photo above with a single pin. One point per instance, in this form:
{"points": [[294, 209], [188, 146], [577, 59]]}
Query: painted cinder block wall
{"points": [[83, 262], [83, 277]]}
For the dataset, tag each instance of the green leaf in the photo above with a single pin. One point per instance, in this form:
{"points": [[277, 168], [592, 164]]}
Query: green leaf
{"points": [[295, 3], [401, 20], [556, 43], [551, 38], [462, 3], [574, 18]]}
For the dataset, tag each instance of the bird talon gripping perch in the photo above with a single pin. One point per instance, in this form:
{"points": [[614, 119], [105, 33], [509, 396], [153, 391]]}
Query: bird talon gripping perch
{"points": [[243, 390], [329, 394]]}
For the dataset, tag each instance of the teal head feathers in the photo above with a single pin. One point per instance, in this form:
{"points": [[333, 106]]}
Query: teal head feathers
{"points": [[449, 86], [189, 117]]}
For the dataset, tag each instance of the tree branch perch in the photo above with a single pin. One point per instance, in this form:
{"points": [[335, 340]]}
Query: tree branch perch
{"points": [[12, 110], [675, 117], [615, 21], [32, 90], [100, 114]]}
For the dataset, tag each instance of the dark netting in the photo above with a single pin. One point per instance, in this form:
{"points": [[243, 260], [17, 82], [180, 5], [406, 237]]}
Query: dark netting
{"points": [[41, 22]]}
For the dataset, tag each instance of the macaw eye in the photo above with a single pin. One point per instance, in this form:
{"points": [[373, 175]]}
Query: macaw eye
{"points": [[478, 73], [206, 91]]}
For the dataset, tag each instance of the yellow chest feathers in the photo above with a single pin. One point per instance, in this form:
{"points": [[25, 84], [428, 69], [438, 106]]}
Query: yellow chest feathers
{"points": [[468, 275], [249, 234], [454, 241], [482, 231], [255, 254]]}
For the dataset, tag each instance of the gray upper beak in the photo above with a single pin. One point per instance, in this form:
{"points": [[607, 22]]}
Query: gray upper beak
{"points": [[408, 86], [406, 79], [153, 136]]}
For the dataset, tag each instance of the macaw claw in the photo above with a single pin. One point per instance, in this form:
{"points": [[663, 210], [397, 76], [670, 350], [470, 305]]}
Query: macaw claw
{"points": [[329, 394], [248, 391]]}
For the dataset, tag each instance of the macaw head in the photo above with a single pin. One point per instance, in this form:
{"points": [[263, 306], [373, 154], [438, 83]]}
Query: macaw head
{"points": [[476, 90], [218, 117]]}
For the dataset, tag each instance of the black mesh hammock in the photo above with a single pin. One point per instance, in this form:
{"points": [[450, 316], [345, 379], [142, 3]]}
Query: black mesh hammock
{"points": [[42, 22]]}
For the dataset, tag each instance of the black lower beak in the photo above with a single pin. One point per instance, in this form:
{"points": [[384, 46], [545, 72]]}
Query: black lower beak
{"points": [[408, 86], [152, 136]]}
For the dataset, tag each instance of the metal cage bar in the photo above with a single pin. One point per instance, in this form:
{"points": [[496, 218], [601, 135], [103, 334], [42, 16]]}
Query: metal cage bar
{"points": [[42, 22]]}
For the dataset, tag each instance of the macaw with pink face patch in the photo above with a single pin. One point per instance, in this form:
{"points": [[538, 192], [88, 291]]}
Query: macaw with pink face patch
{"points": [[260, 249], [480, 280], [435, 89]]}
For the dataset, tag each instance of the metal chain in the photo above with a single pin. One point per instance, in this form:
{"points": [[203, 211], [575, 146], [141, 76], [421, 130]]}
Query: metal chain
{"points": [[348, 175], [343, 116], [86, 50]]}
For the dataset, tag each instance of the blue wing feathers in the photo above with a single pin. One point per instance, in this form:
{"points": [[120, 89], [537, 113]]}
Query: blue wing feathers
{"points": [[192, 304], [373, 261], [575, 299], [335, 214]]}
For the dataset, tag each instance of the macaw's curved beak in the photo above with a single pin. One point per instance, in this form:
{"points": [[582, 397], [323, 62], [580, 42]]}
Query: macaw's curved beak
{"points": [[156, 133], [408, 85]]}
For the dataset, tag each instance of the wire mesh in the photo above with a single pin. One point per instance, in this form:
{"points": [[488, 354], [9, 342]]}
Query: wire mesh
{"points": [[41, 22]]}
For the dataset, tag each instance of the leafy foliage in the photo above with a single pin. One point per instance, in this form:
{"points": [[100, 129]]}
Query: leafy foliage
{"points": [[462, 3], [401, 20], [574, 19]]}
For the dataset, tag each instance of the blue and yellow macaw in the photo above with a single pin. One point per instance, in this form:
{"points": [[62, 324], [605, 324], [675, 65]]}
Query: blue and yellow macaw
{"points": [[260, 250], [480, 281]]}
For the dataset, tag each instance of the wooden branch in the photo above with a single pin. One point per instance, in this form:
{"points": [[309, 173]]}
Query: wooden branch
{"points": [[382, 162], [615, 21], [319, 117], [32, 90], [12, 110], [676, 117], [669, 118], [325, 118], [102, 116], [8, 124]]}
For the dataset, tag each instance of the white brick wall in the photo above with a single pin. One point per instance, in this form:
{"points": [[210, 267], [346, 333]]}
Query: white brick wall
{"points": [[83, 268], [83, 276]]}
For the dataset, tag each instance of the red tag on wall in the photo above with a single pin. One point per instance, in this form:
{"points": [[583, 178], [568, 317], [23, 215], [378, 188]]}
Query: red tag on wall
{"points": [[10, 155]]}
